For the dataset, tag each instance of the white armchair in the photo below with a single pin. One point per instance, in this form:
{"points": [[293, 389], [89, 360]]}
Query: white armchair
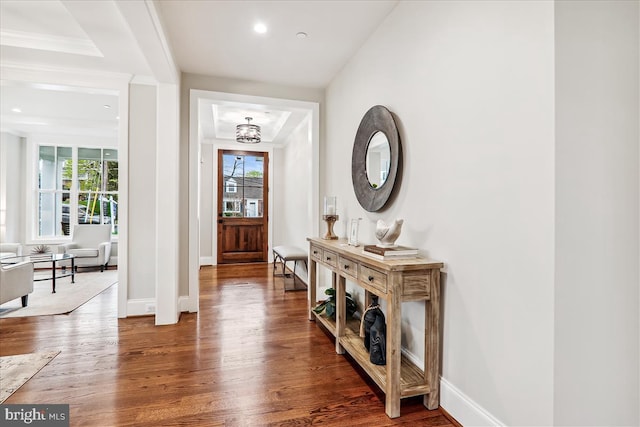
{"points": [[91, 245], [10, 250], [16, 281]]}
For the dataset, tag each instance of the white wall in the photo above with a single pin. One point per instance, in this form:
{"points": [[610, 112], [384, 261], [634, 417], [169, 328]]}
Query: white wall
{"points": [[12, 188], [471, 84], [597, 279], [207, 217], [142, 192], [292, 209]]}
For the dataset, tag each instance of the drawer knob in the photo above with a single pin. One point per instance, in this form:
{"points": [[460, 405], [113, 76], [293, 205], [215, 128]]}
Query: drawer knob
{"points": [[370, 278], [346, 266], [315, 252], [328, 258]]}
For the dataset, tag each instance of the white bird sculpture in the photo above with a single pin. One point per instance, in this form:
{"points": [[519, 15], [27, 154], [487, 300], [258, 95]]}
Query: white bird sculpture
{"points": [[388, 234]]}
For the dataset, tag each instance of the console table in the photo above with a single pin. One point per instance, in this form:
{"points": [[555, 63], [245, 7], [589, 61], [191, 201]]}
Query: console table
{"points": [[396, 281]]}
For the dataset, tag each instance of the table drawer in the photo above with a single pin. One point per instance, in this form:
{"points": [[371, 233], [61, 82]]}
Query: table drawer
{"points": [[330, 258], [373, 278], [348, 267], [316, 253]]}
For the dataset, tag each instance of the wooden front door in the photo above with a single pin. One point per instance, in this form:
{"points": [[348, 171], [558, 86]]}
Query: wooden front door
{"points": [[243, 178]]}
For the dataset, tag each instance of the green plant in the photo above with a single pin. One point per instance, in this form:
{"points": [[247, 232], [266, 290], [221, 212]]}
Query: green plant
{"points": [[329, 305]]}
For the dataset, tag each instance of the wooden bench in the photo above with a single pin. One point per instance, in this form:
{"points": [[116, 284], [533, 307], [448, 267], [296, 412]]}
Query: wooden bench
{"points": [[285, 253]]}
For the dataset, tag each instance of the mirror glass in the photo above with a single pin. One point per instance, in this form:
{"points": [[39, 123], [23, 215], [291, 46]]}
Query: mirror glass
{"points": [[378, 159]]}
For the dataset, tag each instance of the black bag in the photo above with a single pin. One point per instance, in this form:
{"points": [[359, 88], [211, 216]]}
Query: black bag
{"points": [[378, 345], [368, 318]]}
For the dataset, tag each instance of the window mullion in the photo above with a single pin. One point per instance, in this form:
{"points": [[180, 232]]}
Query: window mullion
{"points": [[73, 206]]}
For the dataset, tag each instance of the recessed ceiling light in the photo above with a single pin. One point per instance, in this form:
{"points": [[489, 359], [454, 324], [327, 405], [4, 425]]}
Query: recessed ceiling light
{"points": [[16, 110], [302, 35], [260, 28], [107, 106]]}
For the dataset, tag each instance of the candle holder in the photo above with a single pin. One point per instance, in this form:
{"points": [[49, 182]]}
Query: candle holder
{"points": [[330, 220], [330, 205], [330, 216]]}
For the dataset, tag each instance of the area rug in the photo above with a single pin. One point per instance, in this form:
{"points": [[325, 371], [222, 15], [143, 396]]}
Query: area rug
{"points": [[67, 298], [17, 370]]}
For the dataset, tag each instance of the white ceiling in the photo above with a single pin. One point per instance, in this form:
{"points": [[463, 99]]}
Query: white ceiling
{"points": [[89, 35], [206, 37], [27, 109], [217, 37]]}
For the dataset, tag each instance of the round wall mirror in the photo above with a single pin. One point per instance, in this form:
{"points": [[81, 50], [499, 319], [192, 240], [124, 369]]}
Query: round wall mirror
{"points": [[378, 159], [375, 161]]}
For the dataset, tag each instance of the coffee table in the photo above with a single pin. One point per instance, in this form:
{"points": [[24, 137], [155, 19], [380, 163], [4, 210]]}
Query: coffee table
{"points": [[53, 259]]}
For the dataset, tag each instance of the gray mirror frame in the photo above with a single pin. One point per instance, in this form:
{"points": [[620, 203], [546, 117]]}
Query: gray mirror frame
{"points": [[377, 119]]}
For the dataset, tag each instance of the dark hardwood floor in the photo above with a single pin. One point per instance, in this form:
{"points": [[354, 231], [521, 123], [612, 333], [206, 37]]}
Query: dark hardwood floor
{"points": [[250, 357]]}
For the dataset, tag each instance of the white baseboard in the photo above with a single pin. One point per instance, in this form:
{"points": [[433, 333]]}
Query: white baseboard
{"points": [[412, 357], [463, 409], [456, 403], [206, 260], [147, 306], [183, 303], [141, 307]]}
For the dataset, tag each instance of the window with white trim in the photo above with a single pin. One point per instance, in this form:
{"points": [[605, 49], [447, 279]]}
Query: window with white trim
{"points": [[76, 185]]}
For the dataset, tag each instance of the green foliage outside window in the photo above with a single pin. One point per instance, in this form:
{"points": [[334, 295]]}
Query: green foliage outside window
{"points": [[254, 174]]}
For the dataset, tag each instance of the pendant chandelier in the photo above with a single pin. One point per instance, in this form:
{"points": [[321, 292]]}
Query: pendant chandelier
{"points": [[248, 133]]}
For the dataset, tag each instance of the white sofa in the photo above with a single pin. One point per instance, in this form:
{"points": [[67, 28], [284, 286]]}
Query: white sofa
{"points": [[90, 244], [10, 250], [16, 281]]}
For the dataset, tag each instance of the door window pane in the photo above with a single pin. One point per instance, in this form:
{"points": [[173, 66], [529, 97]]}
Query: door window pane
{"points": [[243, 185], [253, 185]]}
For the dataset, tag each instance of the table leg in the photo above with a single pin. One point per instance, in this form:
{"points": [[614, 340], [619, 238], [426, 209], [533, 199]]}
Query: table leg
{"points": [[311, 290], [394, 319], [340, 312], [432, 343], [53, 276], [275, 258], [73, 271]]}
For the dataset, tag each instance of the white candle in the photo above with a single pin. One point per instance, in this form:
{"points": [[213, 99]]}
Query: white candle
{"points": [[330, 205]]}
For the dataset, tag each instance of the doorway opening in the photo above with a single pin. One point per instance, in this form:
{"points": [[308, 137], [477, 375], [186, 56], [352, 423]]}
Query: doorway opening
{"points": [[290, 136]]}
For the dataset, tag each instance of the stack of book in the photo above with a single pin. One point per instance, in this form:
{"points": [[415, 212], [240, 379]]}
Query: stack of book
{"points": [[39, 257], [386, 254]]}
